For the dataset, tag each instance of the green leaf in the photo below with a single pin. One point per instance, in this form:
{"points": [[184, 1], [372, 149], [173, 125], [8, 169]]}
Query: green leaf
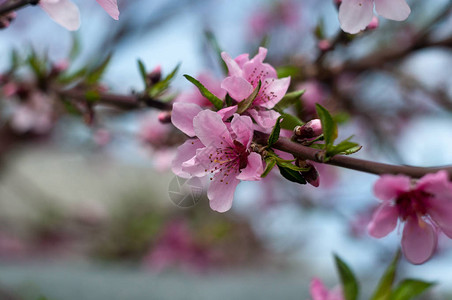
{"points": [[384, 288], [288, 165], [348, 279], [353, 150], [329, 127], [270, 162], [213, 42], [245, 104], [142, 70], [217, 102], [289, 99], [92, 96], [75, 48], [410, 288], [342, 147], [291, 175], [286, 71], [274, 136], [160, 87], [290, 121], [96, 74]]}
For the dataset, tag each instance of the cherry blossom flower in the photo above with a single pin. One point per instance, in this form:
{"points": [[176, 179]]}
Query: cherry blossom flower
{"points": [[244, 77], [36, 115], [318, 291], [425, 207], [221, 150], [355, 15], [67, 14]]}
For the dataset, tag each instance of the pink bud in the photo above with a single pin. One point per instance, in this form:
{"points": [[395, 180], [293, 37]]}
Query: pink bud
{"points": [[374, 23], [155, 75], [311, 176], [309, 130], [324, 45], [165, 117], [61, 66]]}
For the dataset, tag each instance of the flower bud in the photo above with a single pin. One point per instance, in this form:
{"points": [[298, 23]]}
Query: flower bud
{"points": [[309, 130], [5, 20], [154, 76], [374, 23], [165, 117], [311, 176], [324, 45]]}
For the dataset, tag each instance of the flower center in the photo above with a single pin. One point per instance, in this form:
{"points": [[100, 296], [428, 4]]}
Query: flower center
{"points": [[412, 203]]}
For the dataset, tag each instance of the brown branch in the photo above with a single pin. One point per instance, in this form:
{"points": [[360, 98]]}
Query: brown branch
{"points": [[11, 6], [286, 145]]}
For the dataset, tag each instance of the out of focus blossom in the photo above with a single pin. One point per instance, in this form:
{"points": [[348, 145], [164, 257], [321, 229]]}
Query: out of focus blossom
{"points": [[315, 93], [425, 208], [319, 291], [35, 115], [356, 15]]}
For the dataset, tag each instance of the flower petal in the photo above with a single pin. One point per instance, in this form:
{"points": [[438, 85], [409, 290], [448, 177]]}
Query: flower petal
{"points": [[419, 240], [397, 10], [266, 119], [384, 221], [242, 126], [184, 153], [237, 87], [355, 15], [233, 67], [221, 192], [254, 168], [64, 12], [227, 112], [318, 290], [260, 56], [389, 187], [111, 7], [211, 130], [272, 91], [182, 117]]}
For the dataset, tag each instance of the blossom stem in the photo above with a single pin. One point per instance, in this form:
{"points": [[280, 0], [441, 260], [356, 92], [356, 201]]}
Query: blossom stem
{"points": [[11, 6], [286, 145], [127, 102]]}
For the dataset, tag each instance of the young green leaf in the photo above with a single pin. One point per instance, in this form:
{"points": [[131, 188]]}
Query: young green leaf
{"points": [[286, 71], [274, 136], [217, 102], [353, 150], [75, 48], [270, 162], [96, 74], [289, 99], [348, 279], [329, 127], [291, 175], [245, 104], [290, 121], [342, 147], [142, 70], [410, 288], [288, 165], [160, 87], [384, 288]]}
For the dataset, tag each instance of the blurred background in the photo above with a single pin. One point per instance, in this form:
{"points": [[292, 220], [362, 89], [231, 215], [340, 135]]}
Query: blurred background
{"points": [[86, 210]]}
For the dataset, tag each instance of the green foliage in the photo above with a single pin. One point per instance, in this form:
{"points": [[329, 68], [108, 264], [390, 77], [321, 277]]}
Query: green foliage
{"points": [[410, 288], [94, 75], [288, 100], [142, 69], [286, 71], [289, 121], [217, 102], [384, 288], [270, 162], [162, 86], [274, 136], [291, 175], [349, 283]]}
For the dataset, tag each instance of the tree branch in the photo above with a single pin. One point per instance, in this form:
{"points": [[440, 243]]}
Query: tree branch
{"points": [[11, 6]]}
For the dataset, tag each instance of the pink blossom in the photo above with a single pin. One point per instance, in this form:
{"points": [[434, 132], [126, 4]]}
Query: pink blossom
{"points": [[244, 77], [425, 207], [355, 15], [36, 115], [318, 291], [223, 151], [211, 83], [315, 93], [67, 14]]}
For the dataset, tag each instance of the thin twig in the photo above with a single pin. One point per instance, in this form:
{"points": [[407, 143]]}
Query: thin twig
{"points": [[15, 5]]}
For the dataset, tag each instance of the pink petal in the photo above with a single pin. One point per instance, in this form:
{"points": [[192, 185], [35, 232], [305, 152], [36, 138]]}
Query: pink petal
{"points": [[260, 56], [184, 153], [255, 70], [182, 117], [221, 194], [419, 240], [440, 210], [355, 15], [233, 67], [384, 221], [389, 187], [237, 87], [254, 168], [227, 112], [242, 126], [212, 84], [318, 290], [266, 119], [397, 10], [211, 130], [242, 59], [64, 12], [111, 7], [435, 183], [272, 91]]}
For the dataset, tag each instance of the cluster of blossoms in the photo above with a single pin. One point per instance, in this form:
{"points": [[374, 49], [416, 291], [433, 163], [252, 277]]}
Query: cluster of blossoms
{"points": [[356, 15], [221, 143], [67, 14]]}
